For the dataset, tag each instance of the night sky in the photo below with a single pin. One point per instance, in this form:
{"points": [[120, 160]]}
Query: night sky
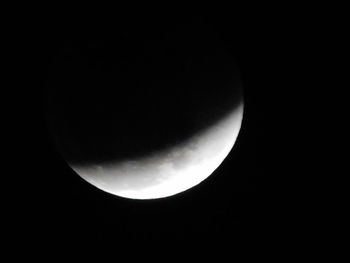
{"points": [[239, 199]]}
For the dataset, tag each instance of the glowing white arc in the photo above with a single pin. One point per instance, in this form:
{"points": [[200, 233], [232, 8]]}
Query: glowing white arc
{"points": [[168, 172]]}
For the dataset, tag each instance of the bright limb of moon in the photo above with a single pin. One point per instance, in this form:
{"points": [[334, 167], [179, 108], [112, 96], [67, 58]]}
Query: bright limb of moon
{"points": [[168, 172]]}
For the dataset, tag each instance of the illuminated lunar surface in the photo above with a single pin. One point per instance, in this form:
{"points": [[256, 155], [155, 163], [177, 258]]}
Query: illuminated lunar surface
{"points": [[171, 171]]}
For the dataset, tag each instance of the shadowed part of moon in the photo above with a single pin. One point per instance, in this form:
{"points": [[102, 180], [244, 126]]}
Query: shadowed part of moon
{"points": [[126, 98]]}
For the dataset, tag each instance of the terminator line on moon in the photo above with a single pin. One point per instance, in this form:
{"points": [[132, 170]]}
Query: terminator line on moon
{"points": [[151, 128]]}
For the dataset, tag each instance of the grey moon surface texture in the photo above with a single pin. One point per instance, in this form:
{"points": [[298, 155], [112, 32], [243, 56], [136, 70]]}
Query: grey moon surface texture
{"points": [[170, 171]]}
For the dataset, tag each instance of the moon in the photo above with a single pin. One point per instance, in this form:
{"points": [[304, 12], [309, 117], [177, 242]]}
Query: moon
{"points": [[149, 122]]}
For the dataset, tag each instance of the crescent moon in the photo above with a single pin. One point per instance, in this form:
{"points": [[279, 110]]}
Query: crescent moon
{"points": [[169, 172], [149, 122]]}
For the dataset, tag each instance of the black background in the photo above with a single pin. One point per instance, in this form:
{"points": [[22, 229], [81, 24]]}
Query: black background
{"points": [[244, 198]]}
